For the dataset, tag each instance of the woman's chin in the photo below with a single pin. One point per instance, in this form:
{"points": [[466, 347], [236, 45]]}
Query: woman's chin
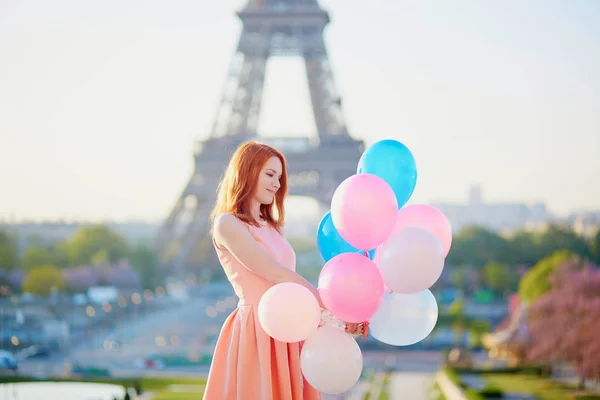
{"points": [[267, 201]]}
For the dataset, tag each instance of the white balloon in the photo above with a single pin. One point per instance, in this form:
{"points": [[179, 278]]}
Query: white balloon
{"points": [[410, 261], [331, 360], [404, 319]]}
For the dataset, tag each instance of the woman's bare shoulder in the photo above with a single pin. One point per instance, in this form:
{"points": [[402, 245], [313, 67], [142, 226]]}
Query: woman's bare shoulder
{"points": [[227, 222]]}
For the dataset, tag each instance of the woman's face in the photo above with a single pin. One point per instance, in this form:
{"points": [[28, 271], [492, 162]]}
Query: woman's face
{"points": [[268, 181]]}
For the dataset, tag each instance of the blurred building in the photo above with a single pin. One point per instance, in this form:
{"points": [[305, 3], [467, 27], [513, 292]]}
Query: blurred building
{"points": [[495, 216], [585, 224]]}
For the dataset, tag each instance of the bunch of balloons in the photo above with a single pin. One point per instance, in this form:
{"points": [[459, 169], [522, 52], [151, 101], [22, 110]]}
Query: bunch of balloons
{"points": [[381, 257]]}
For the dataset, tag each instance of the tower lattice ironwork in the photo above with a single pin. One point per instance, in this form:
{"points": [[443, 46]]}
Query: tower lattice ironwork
{"points": [[315, 167]]}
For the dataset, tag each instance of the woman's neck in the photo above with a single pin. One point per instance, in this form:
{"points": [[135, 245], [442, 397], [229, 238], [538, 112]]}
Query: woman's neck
{"points": [[255, 210]]}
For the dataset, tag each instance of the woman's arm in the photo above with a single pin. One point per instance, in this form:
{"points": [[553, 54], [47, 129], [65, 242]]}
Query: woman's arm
{"points": [[231, 233]]}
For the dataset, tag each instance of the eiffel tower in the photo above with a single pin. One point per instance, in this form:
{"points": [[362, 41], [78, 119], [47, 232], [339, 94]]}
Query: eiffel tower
{"points": [[315, 167]]}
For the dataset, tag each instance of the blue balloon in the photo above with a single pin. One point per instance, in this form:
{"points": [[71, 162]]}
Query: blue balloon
{"points": [[330, 242], [394, 163]]}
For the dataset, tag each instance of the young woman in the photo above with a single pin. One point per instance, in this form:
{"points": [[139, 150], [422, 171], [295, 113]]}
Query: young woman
{"points": [[248, 236]]}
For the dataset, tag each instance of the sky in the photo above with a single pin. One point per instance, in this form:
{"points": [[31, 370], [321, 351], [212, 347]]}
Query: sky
{"points": [[101, 102]]}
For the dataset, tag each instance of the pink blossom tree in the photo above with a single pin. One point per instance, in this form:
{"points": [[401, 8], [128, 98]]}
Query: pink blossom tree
{"points": [[564, 323], [78, 279]]}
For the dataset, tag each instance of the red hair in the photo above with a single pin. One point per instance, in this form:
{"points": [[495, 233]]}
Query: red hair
{"points": [[237, 187]]}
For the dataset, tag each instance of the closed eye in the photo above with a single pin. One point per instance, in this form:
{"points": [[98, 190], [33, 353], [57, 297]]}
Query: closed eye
{"points": [[272, 173]]}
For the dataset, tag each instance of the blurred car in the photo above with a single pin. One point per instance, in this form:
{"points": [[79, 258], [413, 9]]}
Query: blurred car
{"points": [[149, 363], [35, 351], [8, 361]]}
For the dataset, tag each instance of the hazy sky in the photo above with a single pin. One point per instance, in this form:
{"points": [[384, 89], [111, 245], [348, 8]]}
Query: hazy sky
{"points": [[100, 102]]}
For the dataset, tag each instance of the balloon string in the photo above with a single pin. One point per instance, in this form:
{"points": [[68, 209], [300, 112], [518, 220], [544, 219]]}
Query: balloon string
{"points": [[328, 319]]}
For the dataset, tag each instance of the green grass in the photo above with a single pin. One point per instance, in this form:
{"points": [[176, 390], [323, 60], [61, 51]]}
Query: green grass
{"points": [[385, 386], [436, 392], [373, 380], [177, 396], [152, 384], [524, 380], [542, 388], [165, 388], [453, 376], [191, 392]]}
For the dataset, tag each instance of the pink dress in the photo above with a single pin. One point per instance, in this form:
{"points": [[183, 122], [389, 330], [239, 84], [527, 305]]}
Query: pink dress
{"points": [[248, 364]]}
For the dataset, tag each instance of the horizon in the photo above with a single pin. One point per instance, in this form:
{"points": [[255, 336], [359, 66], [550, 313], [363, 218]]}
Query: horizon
{"points": [[7, 219]]}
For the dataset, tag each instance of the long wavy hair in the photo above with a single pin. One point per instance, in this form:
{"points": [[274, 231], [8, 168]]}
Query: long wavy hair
{"points": [[238, 185]]}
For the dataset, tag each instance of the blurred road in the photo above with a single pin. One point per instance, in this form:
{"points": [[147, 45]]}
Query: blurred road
{"points": [[409, 385], [185, 327], [188, 327], [412, 377]]}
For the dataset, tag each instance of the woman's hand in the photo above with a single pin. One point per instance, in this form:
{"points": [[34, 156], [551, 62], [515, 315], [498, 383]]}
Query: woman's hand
{"points": [[358, 329]]}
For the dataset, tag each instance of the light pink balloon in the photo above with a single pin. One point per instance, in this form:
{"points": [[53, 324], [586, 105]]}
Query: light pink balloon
{"points": [[428, 218], [351, 287], [289, 312], [363, 210]]}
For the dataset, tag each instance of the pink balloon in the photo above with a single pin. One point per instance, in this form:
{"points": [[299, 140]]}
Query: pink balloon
{"points": [[351, 287], [363, 210], [289, 312], [428, 218]]}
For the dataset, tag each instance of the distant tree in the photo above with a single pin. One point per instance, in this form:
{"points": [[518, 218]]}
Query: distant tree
{"points": [[457, 308], [61, 254], [145, 262], [477, 329], [564, 322], [122, 276], [478, 246], [460, 321], [459, 278], [90, 240], [558, 237], [524, 247], [595, 248], [100, 257], [39, 281], [536, 281], [36, 256], [79, 279], [498, 277], [9, 252]]}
